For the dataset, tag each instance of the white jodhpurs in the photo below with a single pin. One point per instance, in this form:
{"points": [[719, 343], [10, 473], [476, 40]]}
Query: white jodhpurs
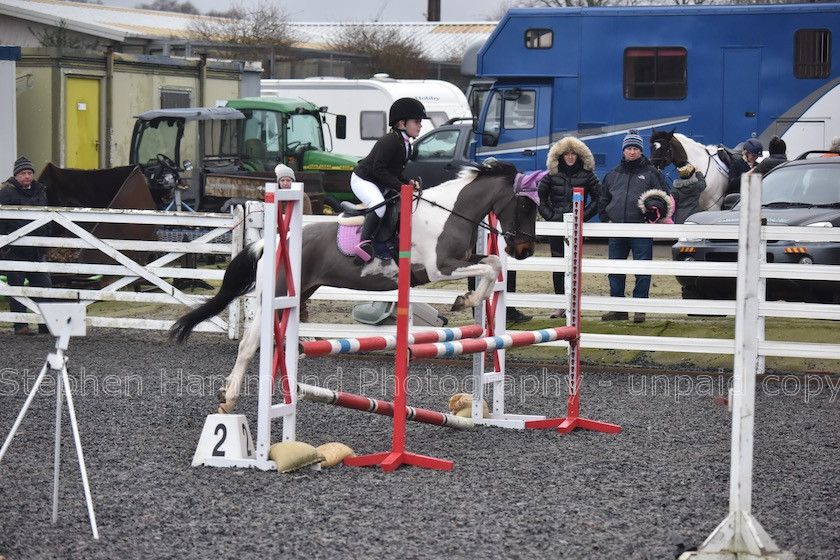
{"points": [[368, 193]]}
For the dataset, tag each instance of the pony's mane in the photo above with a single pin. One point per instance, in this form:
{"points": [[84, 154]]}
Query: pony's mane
{"points": [[488, 169], [469, 173], [683, 139], [659, 134]]}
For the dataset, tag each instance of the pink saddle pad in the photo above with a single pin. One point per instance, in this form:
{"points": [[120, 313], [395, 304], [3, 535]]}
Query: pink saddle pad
{"points": [[347, 239]]}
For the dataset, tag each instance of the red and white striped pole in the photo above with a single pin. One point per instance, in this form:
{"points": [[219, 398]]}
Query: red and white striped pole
{"points": [[314, 393], [490, 343], [386, 342], [389, 461]]}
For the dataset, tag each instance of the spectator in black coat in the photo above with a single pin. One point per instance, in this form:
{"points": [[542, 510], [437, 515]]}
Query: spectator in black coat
{"points": [[621, 190], [752, 150], [686, 192], [23, 190], [570, 165], [778, 156]]}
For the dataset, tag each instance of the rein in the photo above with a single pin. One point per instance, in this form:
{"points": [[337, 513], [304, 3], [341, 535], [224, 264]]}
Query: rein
{"points": [[523, 186], [482, 224]]}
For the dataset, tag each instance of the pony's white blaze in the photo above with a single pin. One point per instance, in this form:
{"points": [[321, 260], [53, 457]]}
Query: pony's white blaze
{"points": [[717, 179]]}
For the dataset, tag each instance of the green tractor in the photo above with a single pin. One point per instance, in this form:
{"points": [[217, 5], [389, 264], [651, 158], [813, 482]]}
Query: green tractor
{"points": [[237, 148]]}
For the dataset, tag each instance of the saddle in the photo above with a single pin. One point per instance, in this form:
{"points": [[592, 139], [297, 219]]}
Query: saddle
{"points": [[385, 237]]}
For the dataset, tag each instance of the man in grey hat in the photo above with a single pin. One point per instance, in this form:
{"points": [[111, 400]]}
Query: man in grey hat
{"points": [[23, 190], [618, 203]]}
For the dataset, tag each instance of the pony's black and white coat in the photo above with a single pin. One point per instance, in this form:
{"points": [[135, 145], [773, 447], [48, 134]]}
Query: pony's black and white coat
{"points": [[444, 231]]}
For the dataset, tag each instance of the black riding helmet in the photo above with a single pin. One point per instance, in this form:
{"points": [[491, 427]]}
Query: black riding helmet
{"points": [[404, 109]]}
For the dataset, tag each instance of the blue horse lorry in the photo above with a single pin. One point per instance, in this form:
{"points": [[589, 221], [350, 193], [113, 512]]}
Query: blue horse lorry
{"points": [[719, 74]]}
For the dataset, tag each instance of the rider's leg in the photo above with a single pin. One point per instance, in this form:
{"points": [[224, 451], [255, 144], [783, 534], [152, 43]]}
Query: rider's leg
{"points": [[370, 195]]}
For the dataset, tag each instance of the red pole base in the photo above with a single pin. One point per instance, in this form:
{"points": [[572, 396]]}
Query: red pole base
{"points": [[390, 460], [566, 425]]}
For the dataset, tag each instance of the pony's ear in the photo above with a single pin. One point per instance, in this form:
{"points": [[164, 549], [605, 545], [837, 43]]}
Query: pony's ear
{"points": [[671, 132]]}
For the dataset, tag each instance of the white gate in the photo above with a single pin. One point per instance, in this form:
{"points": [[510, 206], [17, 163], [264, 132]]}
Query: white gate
{"points": [[203, 234]]}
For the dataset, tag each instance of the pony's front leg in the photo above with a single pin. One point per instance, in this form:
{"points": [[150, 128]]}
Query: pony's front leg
{"points": [[486, 271], [228, 394]]}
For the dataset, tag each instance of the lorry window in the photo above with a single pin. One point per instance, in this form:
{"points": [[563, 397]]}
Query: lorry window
{"points": [[520, 112], [539, 38], [304, 130], [812, 53], [372, 124], [493, 119], [655, 73]]}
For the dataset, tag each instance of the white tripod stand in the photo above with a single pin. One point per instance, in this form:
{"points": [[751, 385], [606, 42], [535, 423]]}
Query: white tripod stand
{"points": [[64, 320]]}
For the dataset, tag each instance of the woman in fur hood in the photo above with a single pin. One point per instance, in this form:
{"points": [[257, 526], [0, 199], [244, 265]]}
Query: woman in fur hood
{"points": [[570, 165]]}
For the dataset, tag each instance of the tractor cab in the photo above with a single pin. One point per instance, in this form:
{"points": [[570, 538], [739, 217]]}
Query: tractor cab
{"points": [[162, 136]]}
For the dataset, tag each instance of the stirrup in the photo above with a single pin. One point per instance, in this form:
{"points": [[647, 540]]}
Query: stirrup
{"points": [[363, 252]]}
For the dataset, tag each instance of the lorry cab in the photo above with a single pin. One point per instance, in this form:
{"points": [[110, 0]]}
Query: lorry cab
{"points": [[515, 124]]}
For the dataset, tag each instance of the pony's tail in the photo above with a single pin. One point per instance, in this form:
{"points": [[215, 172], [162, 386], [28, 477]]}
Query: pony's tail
{"points": [[239, 279]]}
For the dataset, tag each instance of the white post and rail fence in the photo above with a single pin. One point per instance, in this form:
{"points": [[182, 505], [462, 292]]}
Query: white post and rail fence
{"points": [[225, 235]]}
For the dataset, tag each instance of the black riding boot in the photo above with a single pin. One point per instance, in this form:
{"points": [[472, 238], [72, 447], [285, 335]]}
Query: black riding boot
{"points": [[364, 250]]}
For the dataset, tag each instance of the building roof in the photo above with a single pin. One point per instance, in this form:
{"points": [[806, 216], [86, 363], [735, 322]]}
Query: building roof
{"points": [[440, 41]]}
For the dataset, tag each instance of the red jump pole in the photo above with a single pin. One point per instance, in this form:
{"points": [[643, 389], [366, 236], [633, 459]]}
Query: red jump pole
{"points": [[389, 461], [314, 393], [572, 420]]}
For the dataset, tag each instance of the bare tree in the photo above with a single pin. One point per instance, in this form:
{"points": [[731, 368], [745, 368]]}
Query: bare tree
{"points": [[253, 33], [388, 49], [627, 3], [574, 3], [170, 6], [60, 36]]}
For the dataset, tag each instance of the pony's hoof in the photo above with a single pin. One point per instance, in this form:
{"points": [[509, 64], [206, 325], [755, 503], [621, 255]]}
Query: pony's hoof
{"points": [[459, 304], [221, 410]]}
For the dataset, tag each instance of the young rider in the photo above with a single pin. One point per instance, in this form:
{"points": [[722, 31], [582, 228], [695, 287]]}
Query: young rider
{"points": [[382, 169]]}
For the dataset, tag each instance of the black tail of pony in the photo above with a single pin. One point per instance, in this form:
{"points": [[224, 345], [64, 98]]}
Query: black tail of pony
{"points": [[239, 279]]}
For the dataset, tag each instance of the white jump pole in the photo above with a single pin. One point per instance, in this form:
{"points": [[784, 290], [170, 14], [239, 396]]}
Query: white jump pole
{"points": [[490, 243], [269, 304], [740, 536]]}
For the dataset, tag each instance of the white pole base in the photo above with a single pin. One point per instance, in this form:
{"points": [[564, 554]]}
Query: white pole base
{"points": [[738, 537], [224, 438], [510, 421]]}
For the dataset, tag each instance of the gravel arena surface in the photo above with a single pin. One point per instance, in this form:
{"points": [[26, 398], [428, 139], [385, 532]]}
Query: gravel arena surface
{"points": [[141, 402]]}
